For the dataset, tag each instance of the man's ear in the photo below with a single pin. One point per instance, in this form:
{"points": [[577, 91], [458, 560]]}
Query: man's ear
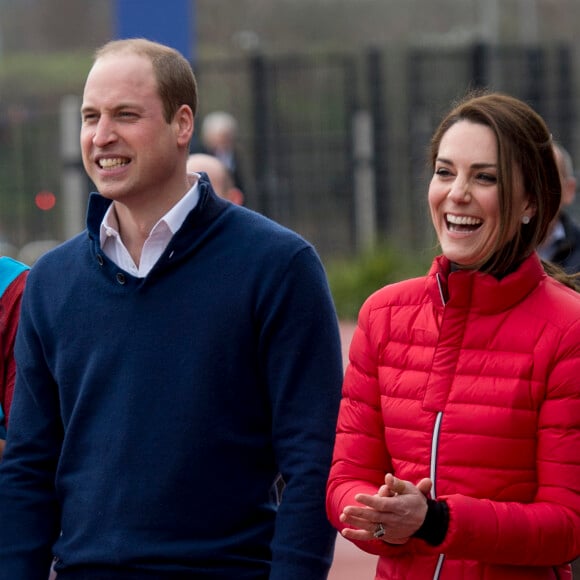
{"points": [[568, 191], [184, 122], [236, 196]]}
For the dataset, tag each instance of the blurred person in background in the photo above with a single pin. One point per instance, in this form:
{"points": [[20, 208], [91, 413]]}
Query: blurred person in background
{"points": [[562, 244], [12, 280], [458, 438], [219, 175], [172, 361], [219, 136]]}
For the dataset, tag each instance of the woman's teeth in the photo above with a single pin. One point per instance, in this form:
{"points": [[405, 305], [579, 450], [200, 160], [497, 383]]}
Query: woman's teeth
{"points": [[462, 222]]}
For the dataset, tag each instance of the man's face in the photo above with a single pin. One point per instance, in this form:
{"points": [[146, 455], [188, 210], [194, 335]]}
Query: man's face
{"points": [[129, 150]]}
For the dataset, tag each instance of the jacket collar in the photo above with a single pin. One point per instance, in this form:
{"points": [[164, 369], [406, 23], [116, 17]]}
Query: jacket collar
{"points": [[482, 292]]}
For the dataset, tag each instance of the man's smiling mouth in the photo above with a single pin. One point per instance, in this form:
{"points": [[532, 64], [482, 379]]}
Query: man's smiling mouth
{"points": [[110, 163]]}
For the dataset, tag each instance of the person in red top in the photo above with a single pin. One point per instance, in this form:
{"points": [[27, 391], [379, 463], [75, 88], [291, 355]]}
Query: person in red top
{"points": [[457, 452], [12, 279]]}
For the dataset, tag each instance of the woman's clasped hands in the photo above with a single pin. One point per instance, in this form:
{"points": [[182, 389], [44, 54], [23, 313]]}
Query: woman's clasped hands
{"points": [[399, 508]]}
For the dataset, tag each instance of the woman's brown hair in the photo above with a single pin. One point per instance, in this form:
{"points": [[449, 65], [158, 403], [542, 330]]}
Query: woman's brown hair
{"points": [[523, 142]]}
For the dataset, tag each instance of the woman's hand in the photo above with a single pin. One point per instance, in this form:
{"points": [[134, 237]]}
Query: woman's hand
{"points": [[399, 506]]}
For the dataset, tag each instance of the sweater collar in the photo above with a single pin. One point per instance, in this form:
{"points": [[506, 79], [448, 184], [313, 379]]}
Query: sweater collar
{"points": [[184, 241], [207, 209]]}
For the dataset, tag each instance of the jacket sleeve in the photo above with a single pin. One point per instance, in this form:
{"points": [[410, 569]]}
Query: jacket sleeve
{"points": [[300, 347], [28, 507], [360, 459], [544, 532]]}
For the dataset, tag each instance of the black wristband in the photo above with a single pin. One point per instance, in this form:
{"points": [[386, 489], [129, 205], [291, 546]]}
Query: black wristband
{"points": [[434, 528]]}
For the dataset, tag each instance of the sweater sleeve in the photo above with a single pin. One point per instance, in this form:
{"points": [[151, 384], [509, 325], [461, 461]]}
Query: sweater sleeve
{"points": [[304, 373], [28, 506]]}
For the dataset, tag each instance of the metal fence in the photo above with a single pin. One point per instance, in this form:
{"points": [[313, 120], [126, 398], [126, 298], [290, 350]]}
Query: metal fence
{"points": [[331, 146], [295, 143]]}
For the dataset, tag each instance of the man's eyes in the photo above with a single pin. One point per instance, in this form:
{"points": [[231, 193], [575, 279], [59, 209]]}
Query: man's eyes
{"points": [[92, 117]]}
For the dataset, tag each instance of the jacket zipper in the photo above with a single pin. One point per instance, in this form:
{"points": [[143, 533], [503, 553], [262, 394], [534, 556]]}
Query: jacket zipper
{"points": [[433, 475], [434, 449]]}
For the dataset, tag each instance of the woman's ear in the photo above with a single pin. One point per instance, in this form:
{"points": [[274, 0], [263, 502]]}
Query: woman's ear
{"points": [[528, 211]]}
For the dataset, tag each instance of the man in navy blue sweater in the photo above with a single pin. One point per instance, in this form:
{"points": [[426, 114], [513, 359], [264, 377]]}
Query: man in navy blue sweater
{"points": [[172, 361]]}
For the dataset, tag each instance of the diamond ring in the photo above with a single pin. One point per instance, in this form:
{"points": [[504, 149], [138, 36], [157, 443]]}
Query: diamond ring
{"points": [[380, 531]]}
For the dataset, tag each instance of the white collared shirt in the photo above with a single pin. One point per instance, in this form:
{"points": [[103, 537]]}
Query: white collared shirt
{"points": [[159, 237]]}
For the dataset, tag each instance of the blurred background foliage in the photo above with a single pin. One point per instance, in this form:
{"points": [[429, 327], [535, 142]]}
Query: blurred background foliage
{"points": [[352, 280], [27, 76]]}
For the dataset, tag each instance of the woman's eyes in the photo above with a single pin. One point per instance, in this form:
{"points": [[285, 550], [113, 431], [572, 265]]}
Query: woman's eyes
{"points": [[486, 178]]}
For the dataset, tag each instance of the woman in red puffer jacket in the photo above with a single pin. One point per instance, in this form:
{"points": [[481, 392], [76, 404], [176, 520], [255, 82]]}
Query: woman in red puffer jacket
{"points": [[457, 452]]}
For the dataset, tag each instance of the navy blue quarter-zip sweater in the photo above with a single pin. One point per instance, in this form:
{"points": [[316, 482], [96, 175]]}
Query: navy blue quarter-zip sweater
{"points": [[152, 415]]}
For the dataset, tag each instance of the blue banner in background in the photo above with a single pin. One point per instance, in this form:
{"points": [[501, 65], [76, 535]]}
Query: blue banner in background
{"points": [[171, 22]]}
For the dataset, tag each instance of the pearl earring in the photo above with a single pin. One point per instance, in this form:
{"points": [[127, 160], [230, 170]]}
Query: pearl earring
{"points": [[526, 219]]}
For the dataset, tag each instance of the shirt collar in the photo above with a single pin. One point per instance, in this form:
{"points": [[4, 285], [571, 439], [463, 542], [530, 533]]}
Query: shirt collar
{"points": [[173, 219]]}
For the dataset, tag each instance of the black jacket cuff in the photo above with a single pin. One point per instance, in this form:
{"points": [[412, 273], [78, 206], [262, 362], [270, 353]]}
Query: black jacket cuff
{"points": [[434, 527]]}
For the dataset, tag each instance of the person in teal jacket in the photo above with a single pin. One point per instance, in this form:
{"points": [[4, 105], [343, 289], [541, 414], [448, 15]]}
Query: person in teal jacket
{"points": [[12, 280], [173, 360]]}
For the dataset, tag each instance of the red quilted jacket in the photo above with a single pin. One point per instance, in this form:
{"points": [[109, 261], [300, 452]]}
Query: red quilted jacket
{"points": [[475, 383]]}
